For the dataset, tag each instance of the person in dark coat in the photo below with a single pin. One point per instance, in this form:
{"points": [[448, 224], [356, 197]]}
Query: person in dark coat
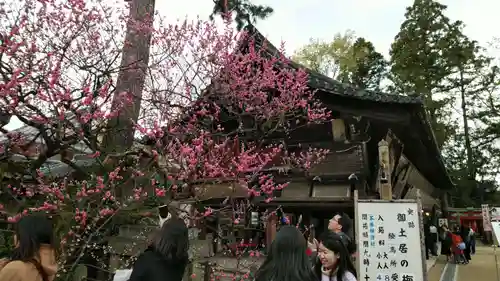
{"points": [[465, 235], [428, 240], [167, 257], [446, 242]]}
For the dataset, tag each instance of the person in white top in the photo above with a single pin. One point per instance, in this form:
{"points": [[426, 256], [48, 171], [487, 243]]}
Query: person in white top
{"points": [[472, 240], [334, 262]]}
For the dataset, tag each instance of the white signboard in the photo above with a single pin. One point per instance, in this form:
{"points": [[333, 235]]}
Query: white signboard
{"points": [[485, 210], [496, 230], [389, 241], [442, 221], [495, 213]]}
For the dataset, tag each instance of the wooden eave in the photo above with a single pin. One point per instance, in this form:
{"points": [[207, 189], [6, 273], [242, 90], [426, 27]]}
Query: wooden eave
{"points": [[397, 111]]}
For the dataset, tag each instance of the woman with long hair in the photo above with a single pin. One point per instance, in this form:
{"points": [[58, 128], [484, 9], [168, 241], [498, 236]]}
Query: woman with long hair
{"points": [[167, 257], [334, 262], [33, 258], [286, 258]]}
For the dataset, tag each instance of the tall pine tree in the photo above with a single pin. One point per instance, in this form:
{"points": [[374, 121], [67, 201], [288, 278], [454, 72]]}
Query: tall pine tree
{"points": [[431, 57], [421, 63]]}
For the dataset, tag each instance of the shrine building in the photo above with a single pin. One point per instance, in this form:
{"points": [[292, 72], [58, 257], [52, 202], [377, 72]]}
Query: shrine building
{"points": [[362, 121]]}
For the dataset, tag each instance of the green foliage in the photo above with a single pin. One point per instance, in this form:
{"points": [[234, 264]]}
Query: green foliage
{"points": [[432, 58], [346, 58], [367, 68], [422, 57], [6, 241], [327, 57], [245, 12]]}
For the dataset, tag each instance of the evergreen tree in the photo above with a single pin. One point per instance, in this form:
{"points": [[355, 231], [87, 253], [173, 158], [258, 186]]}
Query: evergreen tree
{"points": [[368, 67], [432, 58], [245, 12], [420, 60], [472, 79]]}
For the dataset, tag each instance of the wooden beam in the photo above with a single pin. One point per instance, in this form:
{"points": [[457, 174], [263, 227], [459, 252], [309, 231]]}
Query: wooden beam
{"points": [[393, 115], [384, 177]]}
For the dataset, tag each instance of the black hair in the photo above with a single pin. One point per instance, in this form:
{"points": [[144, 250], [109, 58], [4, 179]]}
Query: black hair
{"points": [[172, 241], [32, 231], [286, 258], [334, 243], [345, 222]]}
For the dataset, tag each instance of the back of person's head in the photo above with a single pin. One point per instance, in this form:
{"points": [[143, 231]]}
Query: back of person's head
{"points": [[286, 258], [334, 256], [172, 241], [31, 232]]}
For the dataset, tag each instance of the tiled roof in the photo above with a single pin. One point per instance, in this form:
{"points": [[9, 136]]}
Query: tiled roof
{"points": [[326, 84]]}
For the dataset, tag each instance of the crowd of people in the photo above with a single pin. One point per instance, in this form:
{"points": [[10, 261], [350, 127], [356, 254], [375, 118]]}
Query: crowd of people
{"points": [[458, 245], [289, 258]]}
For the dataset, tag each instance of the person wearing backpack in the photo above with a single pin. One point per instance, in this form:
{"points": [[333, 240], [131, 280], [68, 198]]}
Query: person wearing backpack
{"points": [[33, 258], [458, 249]]}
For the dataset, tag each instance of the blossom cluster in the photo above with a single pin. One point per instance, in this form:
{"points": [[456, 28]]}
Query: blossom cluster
{"points": [[210, 101]]}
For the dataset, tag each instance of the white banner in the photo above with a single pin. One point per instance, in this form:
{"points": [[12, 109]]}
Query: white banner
{"points": [[496, 231], [485, 211], [389, 241]]}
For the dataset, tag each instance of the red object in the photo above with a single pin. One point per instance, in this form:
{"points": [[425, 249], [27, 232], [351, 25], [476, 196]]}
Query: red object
{"points": [[457, 251], [456, 239], [309, 252], [474, 226]]}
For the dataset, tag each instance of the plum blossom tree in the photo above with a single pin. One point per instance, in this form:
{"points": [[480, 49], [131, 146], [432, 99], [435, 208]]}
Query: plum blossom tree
{"points": [[211, 98]]}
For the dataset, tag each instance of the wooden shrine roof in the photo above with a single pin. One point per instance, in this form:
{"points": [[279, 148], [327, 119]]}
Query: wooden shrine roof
{"points": [[420, 142]]}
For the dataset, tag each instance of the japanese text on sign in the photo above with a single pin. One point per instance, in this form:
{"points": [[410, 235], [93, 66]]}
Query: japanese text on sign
{"points": [[389, 241]]}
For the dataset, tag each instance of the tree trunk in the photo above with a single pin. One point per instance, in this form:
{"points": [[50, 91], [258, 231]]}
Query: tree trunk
{"points": [[471, 171], [135, 58]]}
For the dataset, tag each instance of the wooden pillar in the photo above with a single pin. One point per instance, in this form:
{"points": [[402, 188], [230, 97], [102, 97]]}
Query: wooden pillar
{"points": [[444, 204], [384, 176], [272, 220]]}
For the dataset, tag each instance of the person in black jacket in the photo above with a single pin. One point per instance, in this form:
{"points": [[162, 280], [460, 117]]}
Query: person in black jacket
{"points": [[465, 235], [167, 257], [286, 259]]}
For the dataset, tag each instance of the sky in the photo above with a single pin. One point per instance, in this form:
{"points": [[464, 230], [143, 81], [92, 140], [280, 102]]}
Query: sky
{"points": [[294, 22]]}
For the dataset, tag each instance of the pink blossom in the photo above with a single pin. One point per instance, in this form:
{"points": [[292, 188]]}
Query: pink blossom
{"points": [[208, 212], [205, 125], [106, 212], [160, 192]]}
